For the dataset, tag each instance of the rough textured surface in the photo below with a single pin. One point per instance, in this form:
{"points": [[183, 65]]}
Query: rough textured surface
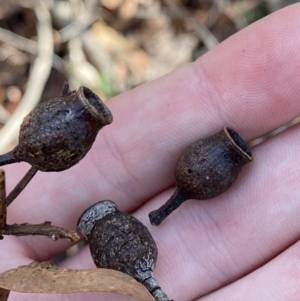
{"points": [[206, 169], [119, 241], [209, 166], [59, 132]]}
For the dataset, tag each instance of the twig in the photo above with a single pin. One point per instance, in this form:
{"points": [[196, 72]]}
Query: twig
{"points": [[27, 45], [214, 12], [82, 20], [21, 185], [44, 229], [2, 199], [4, 115], [37, 78], [201, 30], [30, 3]]}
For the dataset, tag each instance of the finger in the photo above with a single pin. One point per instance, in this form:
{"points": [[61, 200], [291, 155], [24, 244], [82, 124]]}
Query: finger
{"points": [[278, 280], [133, 159]]}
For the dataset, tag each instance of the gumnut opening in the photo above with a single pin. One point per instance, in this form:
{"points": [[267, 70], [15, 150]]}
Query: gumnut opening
{"points": [[88, 218], [239, 142], [95, 105]]}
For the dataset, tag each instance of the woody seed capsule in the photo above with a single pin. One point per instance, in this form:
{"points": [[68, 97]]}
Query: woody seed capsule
{"points": [[120, 242], [206, 169]]}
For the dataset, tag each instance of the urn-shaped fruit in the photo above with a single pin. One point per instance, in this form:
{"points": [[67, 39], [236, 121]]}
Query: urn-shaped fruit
{"points": [[206, 169]]}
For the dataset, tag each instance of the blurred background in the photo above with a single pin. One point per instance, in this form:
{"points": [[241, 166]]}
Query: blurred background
{"points": [[110, 46]]}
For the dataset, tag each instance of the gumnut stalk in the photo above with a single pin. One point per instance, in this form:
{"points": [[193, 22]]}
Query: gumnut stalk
{"points": [[120, 242], [206, 169]]}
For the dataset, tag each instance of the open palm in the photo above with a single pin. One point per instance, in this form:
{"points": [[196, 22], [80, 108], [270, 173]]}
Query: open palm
{"points": [[241, 245]]}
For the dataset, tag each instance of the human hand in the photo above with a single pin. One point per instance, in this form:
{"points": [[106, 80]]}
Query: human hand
{"points": [[241, 245]]}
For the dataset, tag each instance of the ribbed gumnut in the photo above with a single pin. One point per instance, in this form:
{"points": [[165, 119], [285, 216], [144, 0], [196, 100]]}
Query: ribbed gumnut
{"points": [[120, 242], [206, 169], [59, 132]]}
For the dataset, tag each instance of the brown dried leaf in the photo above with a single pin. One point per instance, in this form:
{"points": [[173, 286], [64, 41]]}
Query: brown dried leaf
{"points": [[48, 278]]}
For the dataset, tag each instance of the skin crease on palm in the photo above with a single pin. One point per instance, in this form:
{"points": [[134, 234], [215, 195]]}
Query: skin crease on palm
{"points": [[241, 245]]}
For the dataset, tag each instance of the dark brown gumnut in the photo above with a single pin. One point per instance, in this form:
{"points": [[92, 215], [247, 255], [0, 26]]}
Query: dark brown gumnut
{"points": [[58, 133], [120, 242], [206, 169]]}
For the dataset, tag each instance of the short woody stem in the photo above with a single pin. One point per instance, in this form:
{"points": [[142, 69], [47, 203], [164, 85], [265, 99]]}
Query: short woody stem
{"points": [[2, 199], [21, 185], [8, 158], [155, 290], [157, 216], [44, 229]]}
